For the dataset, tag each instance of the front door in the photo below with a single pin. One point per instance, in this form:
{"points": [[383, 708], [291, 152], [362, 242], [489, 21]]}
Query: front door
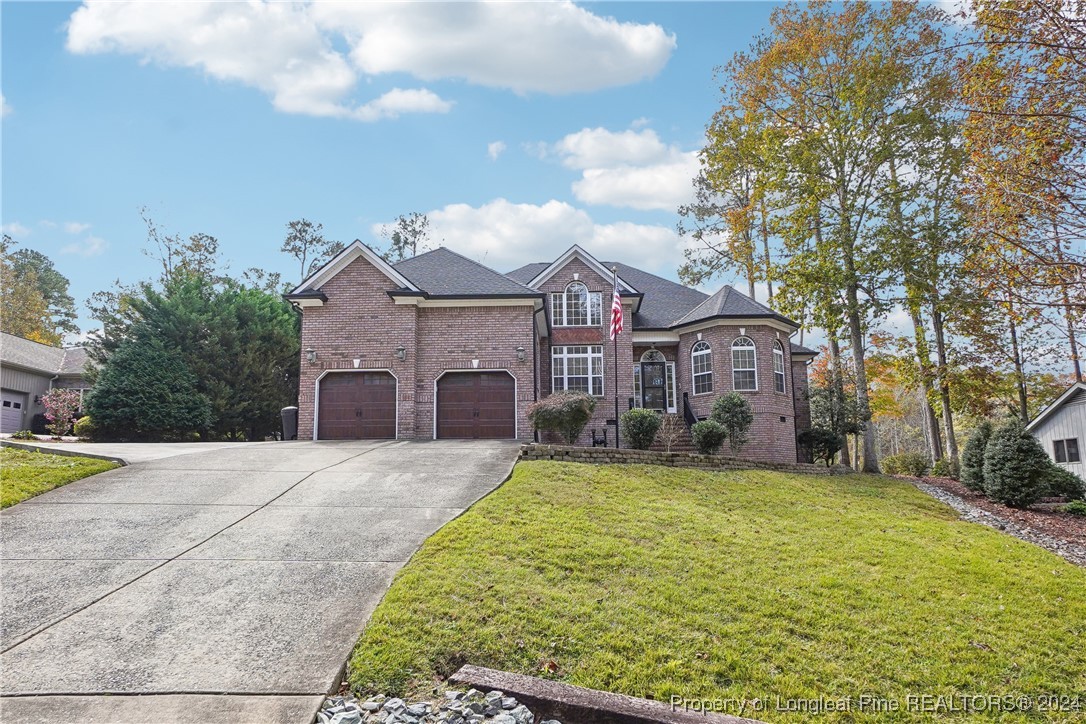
{"points": [[654, 385]]}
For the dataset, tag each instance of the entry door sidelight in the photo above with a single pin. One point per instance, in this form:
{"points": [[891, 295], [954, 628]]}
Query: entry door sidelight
{"points": [[654, 385]]}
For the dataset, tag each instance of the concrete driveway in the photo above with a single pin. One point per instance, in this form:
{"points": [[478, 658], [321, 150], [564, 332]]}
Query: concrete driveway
{"points": [[221, 585]]}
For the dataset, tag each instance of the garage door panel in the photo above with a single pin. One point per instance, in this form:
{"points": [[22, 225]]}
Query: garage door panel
{"points": [[357, 406], [476, 405], [13, 411]]}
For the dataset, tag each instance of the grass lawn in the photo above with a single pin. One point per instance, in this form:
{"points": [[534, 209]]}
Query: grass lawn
{"points": [[24, 474], [657, 582]]}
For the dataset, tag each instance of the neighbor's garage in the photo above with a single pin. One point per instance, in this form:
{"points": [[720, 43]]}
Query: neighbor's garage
{"points": [[476, 406], [13, 413], [357, 406]]}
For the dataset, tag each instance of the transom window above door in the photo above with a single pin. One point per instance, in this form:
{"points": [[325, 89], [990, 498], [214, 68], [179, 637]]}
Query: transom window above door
{"points": [[576, 307]]}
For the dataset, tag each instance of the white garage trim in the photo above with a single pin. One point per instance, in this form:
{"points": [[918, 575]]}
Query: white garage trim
{"points": [[317, 394], [516, 398]]}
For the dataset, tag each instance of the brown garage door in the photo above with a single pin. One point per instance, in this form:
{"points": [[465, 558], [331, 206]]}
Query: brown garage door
{"points": [[476, 406], [357, 406]]}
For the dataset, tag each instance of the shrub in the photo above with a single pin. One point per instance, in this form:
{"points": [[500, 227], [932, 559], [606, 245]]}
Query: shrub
{"points": [[1075, 507], [84, 427], [823, 443], [23, 435], [708, 436], [908, 463], [671, 431], [973, 457], [60, 406], [735, 415], [639, 427], [565, 413], [1016, 468], [1065, 484], [145, 392], [944, 468]]}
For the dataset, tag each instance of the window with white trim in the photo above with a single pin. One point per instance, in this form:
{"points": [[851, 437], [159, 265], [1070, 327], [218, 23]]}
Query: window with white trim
{"points": [[577, 369], [778, 366], [744, 365], [1066, 451], [701, 365], [576, 307]]}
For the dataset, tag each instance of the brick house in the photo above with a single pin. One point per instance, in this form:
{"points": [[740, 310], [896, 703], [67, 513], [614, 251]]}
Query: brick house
{"points": [[440, 346]]}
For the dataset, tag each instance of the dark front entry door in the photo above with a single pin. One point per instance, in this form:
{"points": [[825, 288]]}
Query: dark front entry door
{"points": [[476, 406], [357, 406], [654, 385]]}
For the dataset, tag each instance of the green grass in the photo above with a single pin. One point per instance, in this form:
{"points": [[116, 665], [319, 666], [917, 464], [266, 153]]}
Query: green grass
{"points": [[24, 474], [657, 582]]}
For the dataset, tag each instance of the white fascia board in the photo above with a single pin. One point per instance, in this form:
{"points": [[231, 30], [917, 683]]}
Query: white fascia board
{"points": [[571, 252], [340, 262], [1056, 405], [655, 337]]}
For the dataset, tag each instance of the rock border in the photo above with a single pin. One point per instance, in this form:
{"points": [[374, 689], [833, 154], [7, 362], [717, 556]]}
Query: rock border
{"points": [[629, 456], [1069, 551]]}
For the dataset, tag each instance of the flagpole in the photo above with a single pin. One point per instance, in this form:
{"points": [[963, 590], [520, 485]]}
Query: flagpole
{"points": [[614, 270]]}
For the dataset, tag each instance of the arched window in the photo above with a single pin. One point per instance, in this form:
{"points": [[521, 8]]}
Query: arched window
{"points": [[744, 369], [701, 365], [576, 307], [653, 355], [778, 366]]}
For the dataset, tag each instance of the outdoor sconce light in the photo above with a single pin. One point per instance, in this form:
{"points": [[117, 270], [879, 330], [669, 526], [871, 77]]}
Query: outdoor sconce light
{"points": [[311, 355], [37, 399], [520, 354], [401, 353]]}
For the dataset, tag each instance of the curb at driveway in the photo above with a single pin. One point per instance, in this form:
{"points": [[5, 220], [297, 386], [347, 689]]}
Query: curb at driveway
{"points": [[62, 451]]}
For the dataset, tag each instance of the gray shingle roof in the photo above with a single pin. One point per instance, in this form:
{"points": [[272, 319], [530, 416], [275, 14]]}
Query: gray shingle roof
{"points": [[442, 272], [729, 303], [800, 349], [22, 352]]}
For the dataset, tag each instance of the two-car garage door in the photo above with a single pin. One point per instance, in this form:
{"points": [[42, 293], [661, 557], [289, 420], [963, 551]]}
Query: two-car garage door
{"points": [[470, 405]]}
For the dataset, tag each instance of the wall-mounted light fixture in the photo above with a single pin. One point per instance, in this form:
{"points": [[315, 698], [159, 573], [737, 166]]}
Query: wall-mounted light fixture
{"points": [[520, 354], [37, 399], [401, 353], [311, 355]]}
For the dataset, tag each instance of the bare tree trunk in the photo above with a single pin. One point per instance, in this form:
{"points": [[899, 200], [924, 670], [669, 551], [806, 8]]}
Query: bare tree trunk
{"points": [[1019, 373], [1068, 310], [923, 359], [941, 380], [765, 251], [838, 386], [855, 329]]}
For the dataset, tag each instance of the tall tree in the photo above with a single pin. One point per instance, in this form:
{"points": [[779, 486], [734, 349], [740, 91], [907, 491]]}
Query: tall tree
{"points": [[305, 241], [408, 236], [53, 287], [33, 295]]}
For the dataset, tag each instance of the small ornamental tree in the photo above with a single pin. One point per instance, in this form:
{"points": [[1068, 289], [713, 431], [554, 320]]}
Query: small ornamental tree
{"points": [[733, 413], [671, 431], [973, 457], [565, 413], [60, 408], [708, 436], [145, 392], [1017, 471], [639, 427], [823, 443]]}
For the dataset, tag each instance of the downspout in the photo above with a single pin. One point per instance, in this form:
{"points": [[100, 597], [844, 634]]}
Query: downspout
{"points": [[535, 365]]}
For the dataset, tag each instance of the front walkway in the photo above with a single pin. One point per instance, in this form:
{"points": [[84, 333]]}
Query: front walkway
{"points": [[247, 571]]}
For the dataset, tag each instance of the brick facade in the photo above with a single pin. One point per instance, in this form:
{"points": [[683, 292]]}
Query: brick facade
{"points": [[360, 326]]}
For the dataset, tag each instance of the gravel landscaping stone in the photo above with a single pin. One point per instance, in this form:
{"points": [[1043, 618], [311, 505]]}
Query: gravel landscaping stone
{"points": [[456, 707], [974, 514]]}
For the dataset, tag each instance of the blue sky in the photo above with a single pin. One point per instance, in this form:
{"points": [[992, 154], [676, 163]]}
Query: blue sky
{"points": [[518, 129]]}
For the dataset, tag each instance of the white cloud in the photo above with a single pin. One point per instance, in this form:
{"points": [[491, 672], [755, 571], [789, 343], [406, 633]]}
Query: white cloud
{"points": [[90, 246], [553, 47], [291, 51], [46, 223], [14, 228], [495, 149], [76, 227], [505, 235], [631, 168], [4, 107]]}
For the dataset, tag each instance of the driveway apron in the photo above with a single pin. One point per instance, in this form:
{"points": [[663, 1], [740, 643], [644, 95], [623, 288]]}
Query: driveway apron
{"points": [[227, 585]]}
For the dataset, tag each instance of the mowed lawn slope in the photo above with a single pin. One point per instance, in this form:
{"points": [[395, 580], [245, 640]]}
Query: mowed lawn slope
{"points": [[657, 582], [24, 474]]}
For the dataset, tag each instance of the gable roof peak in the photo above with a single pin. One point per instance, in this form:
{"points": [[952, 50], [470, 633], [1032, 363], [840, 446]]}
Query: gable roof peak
{"points": [[577, 251], [341, 260]]}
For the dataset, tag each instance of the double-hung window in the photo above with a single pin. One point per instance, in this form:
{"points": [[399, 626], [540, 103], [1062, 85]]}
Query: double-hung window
{"points": [[577, 307], [1066, 451], [744, 369], [578, 369], [778, 367], [701, 364]]}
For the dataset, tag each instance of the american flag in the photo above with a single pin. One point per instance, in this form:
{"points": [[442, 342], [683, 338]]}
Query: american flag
{"points": [[616, 310]]}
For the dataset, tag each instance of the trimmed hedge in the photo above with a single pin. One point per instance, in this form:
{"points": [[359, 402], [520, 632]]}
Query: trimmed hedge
{"points": [[973, 457], [1017, 471], [639, 427], [708, 436], [563, 412]]}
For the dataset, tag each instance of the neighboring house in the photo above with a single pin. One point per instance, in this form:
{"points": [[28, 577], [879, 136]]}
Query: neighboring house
{"points": [[1061, 429], [30, 369], [440, 346]]}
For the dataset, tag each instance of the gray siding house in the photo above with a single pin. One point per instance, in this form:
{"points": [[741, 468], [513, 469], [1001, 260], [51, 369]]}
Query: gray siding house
{"points": [[30, 369], [1061, 429]]}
